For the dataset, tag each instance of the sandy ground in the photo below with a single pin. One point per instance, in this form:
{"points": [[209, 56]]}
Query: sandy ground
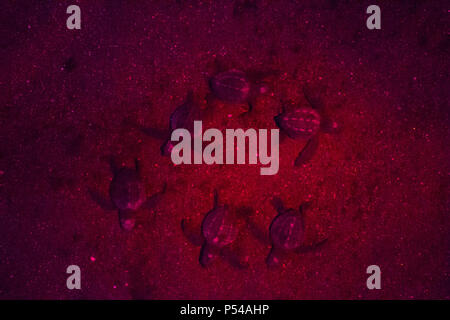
{"points": [[379, 188]]}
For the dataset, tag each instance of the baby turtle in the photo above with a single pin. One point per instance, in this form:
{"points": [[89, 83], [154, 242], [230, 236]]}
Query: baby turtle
{"points": [[127, 195], [287, 232], [218, 233], [235, 86], [182, 117], [305, 123]]}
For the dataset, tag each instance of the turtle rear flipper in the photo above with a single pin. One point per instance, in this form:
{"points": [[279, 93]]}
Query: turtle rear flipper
{"points": [[102, 201], [151, 202], [307, 152], [193, 237], [312, 247]]}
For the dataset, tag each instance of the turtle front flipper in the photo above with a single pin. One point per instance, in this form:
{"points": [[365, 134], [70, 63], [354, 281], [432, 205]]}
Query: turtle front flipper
{"points": [[307, 152], [127, 219], [102, 201], [207, 255], [313, 247], [193, 237], [153, 201]]}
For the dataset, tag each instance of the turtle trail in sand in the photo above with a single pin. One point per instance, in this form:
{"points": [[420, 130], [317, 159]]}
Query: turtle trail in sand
{"points": [[127, 194], [218, 232]]}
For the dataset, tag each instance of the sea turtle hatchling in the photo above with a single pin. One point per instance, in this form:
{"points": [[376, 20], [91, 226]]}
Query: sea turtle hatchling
{"points": [[182, 117], [306, 122], [127, 194], [236, 86], [287, 232], [218, 232]]}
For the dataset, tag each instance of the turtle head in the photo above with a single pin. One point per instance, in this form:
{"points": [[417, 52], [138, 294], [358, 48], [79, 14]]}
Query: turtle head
{"points": [[127, 220], [166, 148]]}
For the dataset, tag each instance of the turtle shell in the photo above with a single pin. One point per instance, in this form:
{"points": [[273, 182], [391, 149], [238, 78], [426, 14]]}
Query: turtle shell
{"points": [[301, 123], [231, 86], [287, 231], [217, 229], [127, 191]]}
